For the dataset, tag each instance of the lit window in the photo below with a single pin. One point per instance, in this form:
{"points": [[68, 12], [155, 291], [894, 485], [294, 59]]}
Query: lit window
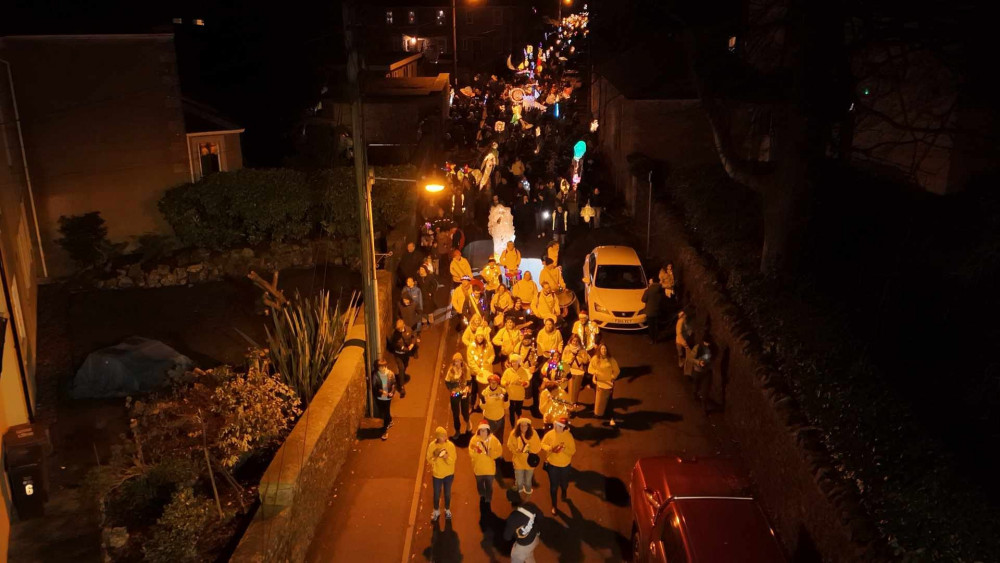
{"points": [[411, 17], [440, 17], [199, 22], [209, 158], [388, 17], [178, 21], [732, 43]]}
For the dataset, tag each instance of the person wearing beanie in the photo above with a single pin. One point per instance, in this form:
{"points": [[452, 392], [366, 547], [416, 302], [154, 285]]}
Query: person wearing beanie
{"points": [[561, 447], [457, 380], [494, 398], [523, 440], [484, 449], [515, 380], [507, 338], [441, 456], [477, 325]]}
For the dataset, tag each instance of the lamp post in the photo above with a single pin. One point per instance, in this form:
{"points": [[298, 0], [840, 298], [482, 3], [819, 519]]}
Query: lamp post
{"points": [[454, 40]]}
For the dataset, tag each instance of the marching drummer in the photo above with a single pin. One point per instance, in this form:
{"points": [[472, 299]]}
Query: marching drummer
{"points": [[604, 368], [510, 259], [491, 277], [546, 304], [480, 357], [575, 360]]}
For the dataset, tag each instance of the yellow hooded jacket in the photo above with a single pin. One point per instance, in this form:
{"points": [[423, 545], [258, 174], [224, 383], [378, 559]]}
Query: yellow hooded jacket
{"points": [[441, 467], [554, 438], [459, 268], [507, 340], [549, 341], [520, 448], [545, 306], [469, 336], [514, 381], [484, 454], [493, 402], [511, 260], [480, 360], [491, 276], [526, 289], [605, 370]]}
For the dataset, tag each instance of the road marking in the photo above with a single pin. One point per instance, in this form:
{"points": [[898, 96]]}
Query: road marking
{"points": [[415, 501]]}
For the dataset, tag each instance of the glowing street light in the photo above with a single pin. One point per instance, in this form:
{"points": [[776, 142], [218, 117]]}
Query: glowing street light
{"points": [[434, 187]]}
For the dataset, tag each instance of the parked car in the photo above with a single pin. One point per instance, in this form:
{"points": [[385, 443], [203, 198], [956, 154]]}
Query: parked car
{"points": [[614, 281], [697, 510]]}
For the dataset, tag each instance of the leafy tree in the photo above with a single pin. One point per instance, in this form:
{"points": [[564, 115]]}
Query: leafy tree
{"points": [[85, 239]]}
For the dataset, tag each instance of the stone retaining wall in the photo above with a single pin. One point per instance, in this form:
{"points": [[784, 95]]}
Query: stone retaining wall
{"points": [[295, 489], [815, 515]]}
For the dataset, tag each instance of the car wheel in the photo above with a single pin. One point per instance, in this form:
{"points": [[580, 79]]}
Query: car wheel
{"points": [[636, 544]]}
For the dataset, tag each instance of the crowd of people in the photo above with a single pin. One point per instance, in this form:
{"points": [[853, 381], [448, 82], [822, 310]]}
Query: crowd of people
{"points": [[527, 349]]}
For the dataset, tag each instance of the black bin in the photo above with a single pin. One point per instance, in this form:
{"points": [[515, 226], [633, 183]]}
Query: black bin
{"points": [[25, 446]]}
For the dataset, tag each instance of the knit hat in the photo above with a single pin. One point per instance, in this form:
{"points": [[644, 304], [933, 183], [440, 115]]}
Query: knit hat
{"points": [[584, 314], [523, 420], [562, 421], [483, 425], [515, 357], [440, 432], [457, 356], [493, 378]]}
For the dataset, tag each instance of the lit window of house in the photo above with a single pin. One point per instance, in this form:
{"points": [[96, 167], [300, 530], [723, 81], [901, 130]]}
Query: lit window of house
{"points": [[178, 21], [388, 17], [209, 158], [440, 17], [411, 17], [199, 22]]}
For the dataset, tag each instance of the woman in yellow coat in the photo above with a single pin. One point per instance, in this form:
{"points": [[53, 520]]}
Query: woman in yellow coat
{"points": [[523, 440], [516, 380], [479, 356], [561, 447], [477, 325], [484, 449], [526, 289], [604, 369], [441, 456]]}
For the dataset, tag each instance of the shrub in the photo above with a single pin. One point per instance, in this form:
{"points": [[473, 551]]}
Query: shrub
{"points": [[175, 537], [336, 210], [243, 207], [85, 239]]}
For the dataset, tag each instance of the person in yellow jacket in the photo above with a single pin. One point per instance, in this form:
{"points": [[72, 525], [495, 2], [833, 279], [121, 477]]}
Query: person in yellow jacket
{"points": [[459, 267], [501, 303], [552, 252], [526, 289], [561, 447], [461, 299], [546, 304], [507, 338], [510, 259], [491, 277], [574, 361], [479, 356], [484, 449], [604, 369], [477, 326], [523, 440], [494, 401], [441, 457], [552, 275], [516, 379], [550, 340], [588, 332]]}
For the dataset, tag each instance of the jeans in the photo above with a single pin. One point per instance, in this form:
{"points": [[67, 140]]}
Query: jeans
{"points": [[459, 405], [522, 477], [558, 479], [515, 411], [484, 485], [438, 484], [384, 410], [524, 553]]}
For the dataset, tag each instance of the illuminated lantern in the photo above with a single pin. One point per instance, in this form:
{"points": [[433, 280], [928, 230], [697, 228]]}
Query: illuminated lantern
{"points": [[593, 126], [579, 149], [563, 185], [499, 126], [587, 213]]}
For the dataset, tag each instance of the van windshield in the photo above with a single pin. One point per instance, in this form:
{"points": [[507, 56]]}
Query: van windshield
{"points": [[620, 277]]}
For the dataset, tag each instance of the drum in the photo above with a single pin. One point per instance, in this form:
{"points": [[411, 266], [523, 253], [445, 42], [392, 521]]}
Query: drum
{"points": [[566, 298], [603, 397], [575, 383]]}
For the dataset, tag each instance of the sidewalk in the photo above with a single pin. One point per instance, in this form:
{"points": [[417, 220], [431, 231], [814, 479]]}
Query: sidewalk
{"points": [[369, 512]]}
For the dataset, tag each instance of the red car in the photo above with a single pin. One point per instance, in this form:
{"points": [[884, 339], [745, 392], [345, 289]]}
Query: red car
{"points": [[687, 510]]}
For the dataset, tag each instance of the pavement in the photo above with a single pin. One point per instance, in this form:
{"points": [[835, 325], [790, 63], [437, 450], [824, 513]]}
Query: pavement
{"points": [[374, 516]]}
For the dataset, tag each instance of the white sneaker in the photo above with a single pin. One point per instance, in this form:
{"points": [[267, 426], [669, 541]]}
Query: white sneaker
{"points": [[434, 515], [447, 514]]}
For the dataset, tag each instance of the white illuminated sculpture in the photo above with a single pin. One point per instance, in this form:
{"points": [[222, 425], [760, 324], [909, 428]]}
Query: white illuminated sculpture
{"points": [[501, 227], [489, 162]]}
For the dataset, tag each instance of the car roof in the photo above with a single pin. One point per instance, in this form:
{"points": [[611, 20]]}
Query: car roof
{"points": [[621, 255], [723, 530], [677, 476]]}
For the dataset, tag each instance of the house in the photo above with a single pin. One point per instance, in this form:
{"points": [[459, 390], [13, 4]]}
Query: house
{"points": [[646, 107], [106, 129], [486, 31], [19, 270]]}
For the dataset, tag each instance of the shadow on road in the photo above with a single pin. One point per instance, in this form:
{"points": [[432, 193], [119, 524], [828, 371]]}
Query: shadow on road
{"points": [[493, 544], [445, 545], [645, 420], [631, 373], [566, 533], [594, 435], [611, 489]]}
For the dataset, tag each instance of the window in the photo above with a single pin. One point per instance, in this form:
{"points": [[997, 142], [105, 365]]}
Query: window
{"points": [[209, 158], [388, 17], [497, 16], [411, 17], [620, 277], [199, 23], [468, 17], [178, 21], [440, 17]]}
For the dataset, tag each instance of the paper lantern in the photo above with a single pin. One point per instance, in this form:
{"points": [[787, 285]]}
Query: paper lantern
{"points": [[579, 149]]}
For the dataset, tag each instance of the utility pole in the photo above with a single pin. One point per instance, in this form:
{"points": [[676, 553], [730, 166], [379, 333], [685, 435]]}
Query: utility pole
{"points": [[365, 179], [454, 39]]}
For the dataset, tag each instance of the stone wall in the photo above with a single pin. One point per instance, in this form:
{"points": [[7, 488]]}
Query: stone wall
{"points": [[200, 265], [813, 513], [295, 488]]}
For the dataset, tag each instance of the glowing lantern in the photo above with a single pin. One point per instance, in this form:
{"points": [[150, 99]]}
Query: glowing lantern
{"points": [[579, 149]]}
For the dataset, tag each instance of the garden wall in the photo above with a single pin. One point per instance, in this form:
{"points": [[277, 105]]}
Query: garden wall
{"points": [[295, 489], [816, 517]]}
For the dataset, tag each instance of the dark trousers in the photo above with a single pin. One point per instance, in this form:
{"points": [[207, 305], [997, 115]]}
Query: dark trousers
{"points": [[460, 405], [536, 385], [515, 411], [445, 483], [654, 327], [701, 380], [383, 409], [404, 362], [558, 479], [474, 386], [484, 485]]}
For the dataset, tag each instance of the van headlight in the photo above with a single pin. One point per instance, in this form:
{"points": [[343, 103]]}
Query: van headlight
{"points": [[599, 308]]}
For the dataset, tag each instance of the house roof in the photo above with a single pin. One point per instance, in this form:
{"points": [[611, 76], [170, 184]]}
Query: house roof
{"points": [[652, 68], [408, 86], [201, 118], [390, 61]]}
